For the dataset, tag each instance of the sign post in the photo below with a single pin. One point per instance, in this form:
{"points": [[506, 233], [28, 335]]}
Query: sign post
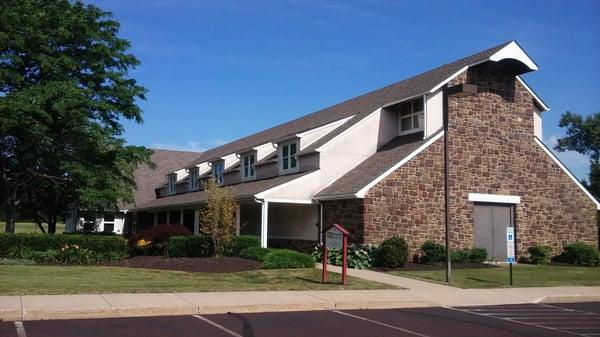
{"points": [[510, 250], [336, 238]]}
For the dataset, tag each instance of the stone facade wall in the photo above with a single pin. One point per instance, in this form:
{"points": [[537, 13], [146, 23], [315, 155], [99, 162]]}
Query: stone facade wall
{"points": [[348, 213], [409, 202], [492, 150]]}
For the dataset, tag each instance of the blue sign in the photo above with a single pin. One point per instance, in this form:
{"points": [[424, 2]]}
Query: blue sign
{"points": [[510, 259]]}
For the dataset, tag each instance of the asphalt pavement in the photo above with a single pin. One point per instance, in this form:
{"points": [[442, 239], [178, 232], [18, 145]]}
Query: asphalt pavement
{"points": [[522, 320]]}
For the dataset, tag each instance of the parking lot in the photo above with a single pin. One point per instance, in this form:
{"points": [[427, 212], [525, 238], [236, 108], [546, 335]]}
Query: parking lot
{"points": [[579, 319]]}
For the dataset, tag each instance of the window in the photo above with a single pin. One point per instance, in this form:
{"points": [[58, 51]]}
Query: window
{"points": [[217, 170], [172, 188], [193, 179], [289, 160], [248, 170], [109, 223], [411, 116]]}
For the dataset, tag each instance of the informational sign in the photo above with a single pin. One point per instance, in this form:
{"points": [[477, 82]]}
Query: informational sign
{"points": [[510, 244], [334, 239]]}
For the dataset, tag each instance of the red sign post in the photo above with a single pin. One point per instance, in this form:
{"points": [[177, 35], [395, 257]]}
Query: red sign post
{"points": [[336, 238]]}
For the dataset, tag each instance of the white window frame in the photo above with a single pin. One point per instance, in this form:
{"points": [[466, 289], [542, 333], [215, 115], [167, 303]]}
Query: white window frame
{"points": [[280, 148], [172, 185], [248, 169], [420, 117], [193, 178], [104, 223], [219, 177]]}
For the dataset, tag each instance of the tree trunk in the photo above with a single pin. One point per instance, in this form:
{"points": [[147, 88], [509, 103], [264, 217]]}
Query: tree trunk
{"points": [[10, 213], [52, 225], [39, 223]]}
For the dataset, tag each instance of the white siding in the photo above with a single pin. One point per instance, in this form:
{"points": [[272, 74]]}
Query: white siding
{"points": [[310, 136], [537, 123], [434, 118]]}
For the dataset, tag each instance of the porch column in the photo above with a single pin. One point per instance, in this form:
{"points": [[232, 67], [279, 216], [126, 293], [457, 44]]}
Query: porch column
{"points": [[264, 224], [196, 224], [238, 216], [155, 218], [181, 217]]}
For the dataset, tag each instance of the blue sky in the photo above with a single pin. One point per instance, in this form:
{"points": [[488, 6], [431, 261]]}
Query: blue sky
{"points": [[217, 71]]}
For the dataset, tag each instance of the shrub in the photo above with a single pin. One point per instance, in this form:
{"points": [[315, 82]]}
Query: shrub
{"points": [[153, 240], [359, 256], [23, 243], [460, 256], [539, 254], [189, 246], [580, 253], [67, 254], [255, 253], [478, 255], [239, 243], [287, 259], [432, 252], [392, 253]]}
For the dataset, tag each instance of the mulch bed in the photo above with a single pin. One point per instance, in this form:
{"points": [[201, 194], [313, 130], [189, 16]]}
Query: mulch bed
{"points": [[189, 264], [418, 266]]}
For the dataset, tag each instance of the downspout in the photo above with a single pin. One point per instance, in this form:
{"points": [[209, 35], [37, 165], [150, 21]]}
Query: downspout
{"points": [[320, 221]]}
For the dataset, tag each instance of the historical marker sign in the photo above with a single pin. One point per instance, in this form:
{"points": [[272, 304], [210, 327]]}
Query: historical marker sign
{"points": [[334, 239]]}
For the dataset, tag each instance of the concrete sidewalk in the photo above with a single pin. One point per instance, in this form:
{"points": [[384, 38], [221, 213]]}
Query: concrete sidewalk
{"points": [[415, 294]]}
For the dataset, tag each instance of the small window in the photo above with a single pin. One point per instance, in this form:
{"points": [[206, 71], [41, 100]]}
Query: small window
{"points": [[217, 170], [248, 169], [193, 179], [172, 184], [109, 222], [411, 116], [289, 160]]}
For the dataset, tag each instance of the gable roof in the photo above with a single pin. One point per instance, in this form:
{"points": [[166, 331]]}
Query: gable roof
{"points": [[360, 106], [148, 179], [360, 176]]}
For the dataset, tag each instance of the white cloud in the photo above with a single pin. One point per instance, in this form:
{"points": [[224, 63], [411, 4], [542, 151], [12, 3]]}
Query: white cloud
{"points": [[197, 146], [575, 161]]}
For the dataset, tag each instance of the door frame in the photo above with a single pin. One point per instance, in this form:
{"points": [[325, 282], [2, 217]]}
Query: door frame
{"points": [[511, 201]]}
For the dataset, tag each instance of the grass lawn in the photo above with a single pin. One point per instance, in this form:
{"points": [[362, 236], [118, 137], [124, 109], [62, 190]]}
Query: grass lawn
{"points": [[523, 276], [28, 280], [30, 227]]}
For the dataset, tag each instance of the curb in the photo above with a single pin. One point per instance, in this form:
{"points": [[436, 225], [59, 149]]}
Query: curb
{"points": [[569, 298], [117, 312]]}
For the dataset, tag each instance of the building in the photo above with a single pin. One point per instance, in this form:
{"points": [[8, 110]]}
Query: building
{"points": [[378, 165]]}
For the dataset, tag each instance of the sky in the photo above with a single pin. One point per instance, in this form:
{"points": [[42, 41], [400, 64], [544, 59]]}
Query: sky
{"points": [[220, 70]]}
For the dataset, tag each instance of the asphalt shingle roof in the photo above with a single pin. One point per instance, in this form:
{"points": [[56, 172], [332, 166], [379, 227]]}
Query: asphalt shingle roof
{"points": [[240, 191], [360, 106], [147, 179], [386, 157]]}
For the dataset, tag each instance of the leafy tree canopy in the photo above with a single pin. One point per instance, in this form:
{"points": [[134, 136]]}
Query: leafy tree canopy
{"points": [[64, 89], [583, 136]]}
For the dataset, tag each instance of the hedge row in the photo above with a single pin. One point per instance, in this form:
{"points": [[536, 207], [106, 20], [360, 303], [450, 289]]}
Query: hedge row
{"points": [[9, 242]]}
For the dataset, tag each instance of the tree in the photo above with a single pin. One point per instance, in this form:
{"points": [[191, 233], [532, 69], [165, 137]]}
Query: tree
{"points": [[583, 136], [217, 219], [64, 88]]}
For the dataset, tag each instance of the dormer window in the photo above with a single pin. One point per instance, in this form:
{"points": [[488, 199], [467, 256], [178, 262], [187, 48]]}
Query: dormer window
{"points": [[193, 179], [288, 162], [172, 186], [217, 170], [247, 163], [411, 116]]}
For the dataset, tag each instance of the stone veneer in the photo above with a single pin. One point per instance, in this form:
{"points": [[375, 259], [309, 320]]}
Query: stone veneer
{"points": [[491, 150]]}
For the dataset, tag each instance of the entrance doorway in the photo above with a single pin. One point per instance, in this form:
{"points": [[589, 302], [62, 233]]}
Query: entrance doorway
{"points": [[490, 228]]}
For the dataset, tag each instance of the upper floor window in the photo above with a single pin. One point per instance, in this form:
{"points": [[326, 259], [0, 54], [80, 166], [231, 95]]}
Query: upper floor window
{"points": [[288, 159], [193, 179], [217, 170], [411, 116], [172, 188], [248, 169]]}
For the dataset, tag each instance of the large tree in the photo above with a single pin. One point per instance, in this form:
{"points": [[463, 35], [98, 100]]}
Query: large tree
{"points": [[583, 136], [64, 88]]}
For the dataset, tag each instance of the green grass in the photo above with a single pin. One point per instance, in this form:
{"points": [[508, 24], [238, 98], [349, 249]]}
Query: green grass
{"points": [[30, 227], [523, 276], [28, 280]]}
